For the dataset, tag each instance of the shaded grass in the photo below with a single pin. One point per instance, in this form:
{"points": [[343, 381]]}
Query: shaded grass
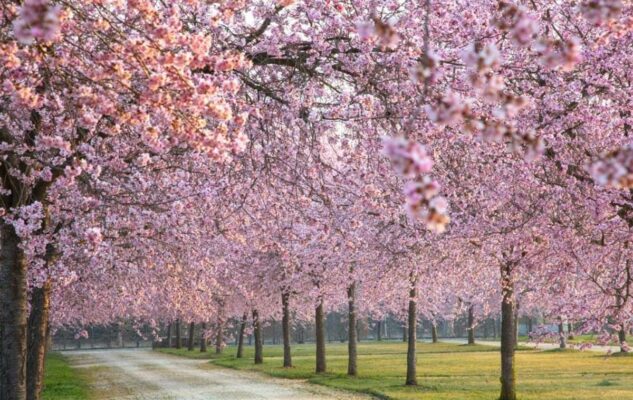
{"points": [[61, 382], [448, 371]]}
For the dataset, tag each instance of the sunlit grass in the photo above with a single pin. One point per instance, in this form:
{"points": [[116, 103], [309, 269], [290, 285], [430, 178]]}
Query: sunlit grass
{"points": [[61, 382], [449, 371]]}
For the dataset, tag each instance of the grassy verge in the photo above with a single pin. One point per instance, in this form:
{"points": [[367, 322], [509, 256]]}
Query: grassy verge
{"points": [[61, 382], [448, 371]]}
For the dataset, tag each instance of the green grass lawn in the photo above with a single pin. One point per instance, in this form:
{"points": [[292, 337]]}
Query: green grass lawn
{"points": [[61, 382], [448, 371]]}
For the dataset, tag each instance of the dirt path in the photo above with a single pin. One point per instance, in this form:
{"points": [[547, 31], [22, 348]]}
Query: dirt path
{"points": [[144, 374]]}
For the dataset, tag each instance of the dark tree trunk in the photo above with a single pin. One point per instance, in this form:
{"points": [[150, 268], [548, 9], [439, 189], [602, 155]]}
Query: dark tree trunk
{"points": [[203, 338], [219, 337], [39, 338], [530, 325], [168, 335], [38, 333], [412, 324], [434, 331], [192, 328], [320, 338], [119, 335], [508, 336], [570, 331], [622, 338], [379, 330], [471, 325], [14, 316], [285, 326], [404, 333], [561, 334], [516, 325], [240, 337], [178, 332], [352, 334], [259, 340]]}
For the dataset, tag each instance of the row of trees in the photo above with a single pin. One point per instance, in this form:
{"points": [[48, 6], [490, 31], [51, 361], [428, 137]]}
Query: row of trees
{"points": [[166, 161]]}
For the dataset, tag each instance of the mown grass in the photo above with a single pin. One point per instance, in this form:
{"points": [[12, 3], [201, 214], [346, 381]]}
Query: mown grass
{"points": [[61, 382], [447, 371]]}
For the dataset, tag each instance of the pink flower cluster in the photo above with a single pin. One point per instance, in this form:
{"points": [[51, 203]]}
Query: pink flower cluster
{"points": [[564, 54], [615, 168], [422, 200], [597, 12], [384, 33], [38, 20], [516, 20]]}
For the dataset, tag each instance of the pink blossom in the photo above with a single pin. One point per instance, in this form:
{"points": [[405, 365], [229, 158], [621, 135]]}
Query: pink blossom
{"points": [[37, 20]]}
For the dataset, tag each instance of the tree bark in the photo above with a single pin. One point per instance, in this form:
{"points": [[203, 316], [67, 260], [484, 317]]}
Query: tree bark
{"points": [[285, 325], [240, 338], [570, 331], [508, 335], [192, 328], [379, 330], [471, 324], [404, 333], [622, 339], [168, 335], [14, 315], [203, 339], [561, 334], [351, 331], [38, 334], [434, 331], [178, 333], [320, 338], [259, 342], [516, 325], [411, 344], [219, 337], [119, 335]]}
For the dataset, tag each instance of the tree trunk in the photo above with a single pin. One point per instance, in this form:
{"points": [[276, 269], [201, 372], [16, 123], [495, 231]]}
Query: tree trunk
{"points": [[259, 342], [178, 332], [14, 315], [285, 325], [379, 330], [508, 336], [203, 338], [320, 338], [516, 325], [412, 324], [404, 333], [530, 325], [240, 338], [622, 339], [38, 334], [168, 335], [192, 328], [434, 331], [352, 334], [570, 331], [219, 337], [561, 334], [119, 335], [471, 325]]}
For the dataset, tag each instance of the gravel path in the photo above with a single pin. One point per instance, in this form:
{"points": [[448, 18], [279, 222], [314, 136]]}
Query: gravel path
{"points": [[144, 375]]}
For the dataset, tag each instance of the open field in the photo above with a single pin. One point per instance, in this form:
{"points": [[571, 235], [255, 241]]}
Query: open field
{"points": [[448, 371]]}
